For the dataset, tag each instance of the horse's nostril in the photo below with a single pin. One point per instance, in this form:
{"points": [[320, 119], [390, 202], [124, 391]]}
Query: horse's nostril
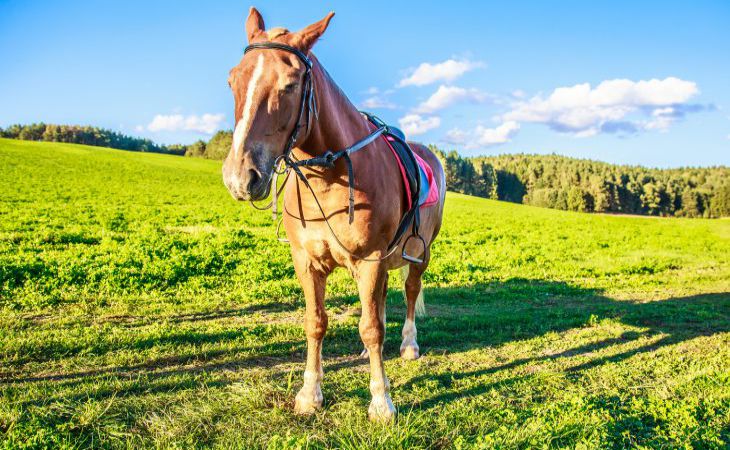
{"points": [[253, 178]]}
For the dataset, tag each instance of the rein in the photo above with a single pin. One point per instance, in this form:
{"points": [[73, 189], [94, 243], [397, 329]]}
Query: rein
{"points": [[328, 159]]}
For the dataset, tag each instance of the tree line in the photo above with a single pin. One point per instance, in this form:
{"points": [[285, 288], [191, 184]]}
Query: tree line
{"points": [[216, 148], [550, 181], [560, 182], [86, 135]]}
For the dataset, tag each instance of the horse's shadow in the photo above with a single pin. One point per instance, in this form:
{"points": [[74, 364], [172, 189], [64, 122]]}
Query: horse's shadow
{"points": [[490, 315], [459, 319], [493, 314]]}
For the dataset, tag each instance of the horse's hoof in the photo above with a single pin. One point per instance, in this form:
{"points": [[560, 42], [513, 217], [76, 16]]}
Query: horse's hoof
{"points": [[381, 409], [308, 402], [409, 352], [364, 354]]}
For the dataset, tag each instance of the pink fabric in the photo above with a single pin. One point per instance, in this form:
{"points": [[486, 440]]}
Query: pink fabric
{"points": [[433, 194], [433, 190]]}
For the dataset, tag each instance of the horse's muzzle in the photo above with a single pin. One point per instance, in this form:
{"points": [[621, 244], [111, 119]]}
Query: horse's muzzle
{"points": [[248, 185]]}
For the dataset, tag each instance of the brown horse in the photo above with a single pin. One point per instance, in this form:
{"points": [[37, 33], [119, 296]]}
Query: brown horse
{"points": [[270, 86]]}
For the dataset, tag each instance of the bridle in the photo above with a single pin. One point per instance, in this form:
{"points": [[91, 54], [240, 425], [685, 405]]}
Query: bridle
{"points": [[307, 101], [327, 160]]}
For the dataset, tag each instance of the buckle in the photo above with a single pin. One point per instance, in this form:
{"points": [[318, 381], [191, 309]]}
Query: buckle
{"points": [[329, 159]]}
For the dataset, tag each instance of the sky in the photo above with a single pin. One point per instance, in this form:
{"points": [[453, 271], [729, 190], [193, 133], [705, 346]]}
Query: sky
{"points": [[619, 81]]}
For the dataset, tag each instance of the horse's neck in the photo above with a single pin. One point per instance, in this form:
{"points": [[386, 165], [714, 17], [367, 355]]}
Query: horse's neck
{"points": [[338, 123]]}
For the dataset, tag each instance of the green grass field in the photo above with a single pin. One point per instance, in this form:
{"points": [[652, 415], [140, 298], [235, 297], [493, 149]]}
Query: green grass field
{"points": [[140, 306]]}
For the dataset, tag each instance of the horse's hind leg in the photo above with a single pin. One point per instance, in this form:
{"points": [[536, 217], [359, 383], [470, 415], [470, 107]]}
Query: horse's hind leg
{"points": [[413, 292]]}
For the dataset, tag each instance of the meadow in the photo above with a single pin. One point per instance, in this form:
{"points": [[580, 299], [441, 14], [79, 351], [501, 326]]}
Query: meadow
{"points": [[140, 306]]}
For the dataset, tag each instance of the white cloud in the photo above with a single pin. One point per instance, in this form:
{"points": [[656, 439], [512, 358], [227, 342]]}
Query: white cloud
{"points": [[448, 70], [495, 136], [448, 95], [377, 102], [662, 119], [206, 123], [585, 111], [414, 124], [482, 136], [456, 136]]}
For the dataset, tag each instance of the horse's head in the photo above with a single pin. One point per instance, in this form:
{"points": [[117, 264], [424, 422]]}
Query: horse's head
{"points": [[268, 89]]}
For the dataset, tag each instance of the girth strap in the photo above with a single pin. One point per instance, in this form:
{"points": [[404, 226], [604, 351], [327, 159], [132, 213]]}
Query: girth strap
{"points": [[308, 102]]}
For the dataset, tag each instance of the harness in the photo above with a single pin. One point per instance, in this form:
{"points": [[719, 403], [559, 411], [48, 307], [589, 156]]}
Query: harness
{"points": [[327, 160]]}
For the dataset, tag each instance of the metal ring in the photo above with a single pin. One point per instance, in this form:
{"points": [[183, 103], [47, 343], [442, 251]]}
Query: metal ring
{"points": [[278, 167]]}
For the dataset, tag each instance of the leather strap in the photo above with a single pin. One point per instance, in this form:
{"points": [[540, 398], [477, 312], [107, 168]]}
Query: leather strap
{"points": [[328, 159]]}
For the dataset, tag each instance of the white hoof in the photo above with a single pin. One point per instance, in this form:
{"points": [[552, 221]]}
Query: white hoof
{"points": [[381, 409], [409, 352], [364, 354], [308, 401]]}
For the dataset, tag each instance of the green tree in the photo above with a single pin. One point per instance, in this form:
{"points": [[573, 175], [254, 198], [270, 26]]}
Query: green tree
{"points": [[720, 202], [576, 199], [219, 145], [196, 149]]}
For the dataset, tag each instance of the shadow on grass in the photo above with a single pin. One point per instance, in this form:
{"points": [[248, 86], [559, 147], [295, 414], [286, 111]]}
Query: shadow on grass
{"points": [[204, 316], [493, 314], [460, 319], [212, 315], [467, 318]]}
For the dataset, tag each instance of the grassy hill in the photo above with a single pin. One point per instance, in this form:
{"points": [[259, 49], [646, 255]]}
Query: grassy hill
{"points": [[141, 306]]}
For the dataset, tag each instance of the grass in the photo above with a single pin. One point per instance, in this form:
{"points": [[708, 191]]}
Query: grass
{"points": [[140, 306]]}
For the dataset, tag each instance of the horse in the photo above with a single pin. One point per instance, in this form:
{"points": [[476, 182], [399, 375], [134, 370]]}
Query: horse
{"points": [[288, 106]]}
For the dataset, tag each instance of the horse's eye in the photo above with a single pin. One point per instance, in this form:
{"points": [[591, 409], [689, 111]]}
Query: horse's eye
{"points": [[289, 88]]}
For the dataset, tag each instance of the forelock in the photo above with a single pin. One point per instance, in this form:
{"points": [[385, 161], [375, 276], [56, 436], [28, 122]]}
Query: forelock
{"points": [[276, 32]]}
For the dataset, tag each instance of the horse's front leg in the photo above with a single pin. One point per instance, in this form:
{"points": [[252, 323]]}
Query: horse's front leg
{"points": [[372, 279], [313, 281]]}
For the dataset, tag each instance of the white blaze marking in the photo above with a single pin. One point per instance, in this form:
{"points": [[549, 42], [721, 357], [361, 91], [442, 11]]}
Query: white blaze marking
{"points": [[243, 125]]}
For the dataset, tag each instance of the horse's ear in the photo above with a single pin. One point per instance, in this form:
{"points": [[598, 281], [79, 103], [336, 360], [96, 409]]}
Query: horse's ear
{"points": [[307, 36], [254, 24]]}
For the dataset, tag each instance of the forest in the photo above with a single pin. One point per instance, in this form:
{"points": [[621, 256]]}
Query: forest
{"points": [[559, 182], [87, 135], [550, 181]]}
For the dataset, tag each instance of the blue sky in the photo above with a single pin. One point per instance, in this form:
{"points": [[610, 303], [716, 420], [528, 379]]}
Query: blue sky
{"points": [[627, 82]]}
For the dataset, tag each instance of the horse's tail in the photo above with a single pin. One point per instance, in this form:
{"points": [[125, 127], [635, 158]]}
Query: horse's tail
{"points": [[420, 304]]}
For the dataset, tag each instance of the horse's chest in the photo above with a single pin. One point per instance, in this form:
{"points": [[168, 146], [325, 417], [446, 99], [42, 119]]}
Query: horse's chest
{"points": [[335, 239]]}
